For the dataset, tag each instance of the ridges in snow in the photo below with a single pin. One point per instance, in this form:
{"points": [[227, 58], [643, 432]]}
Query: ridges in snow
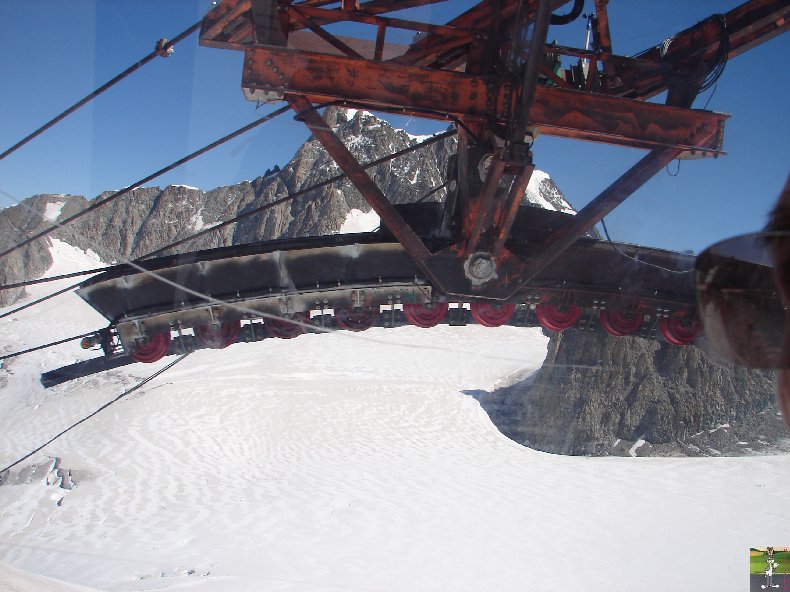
{"points": [[334, 462]]}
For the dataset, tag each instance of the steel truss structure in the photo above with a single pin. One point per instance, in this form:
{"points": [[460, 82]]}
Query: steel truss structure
{"points": [[491, 72]]}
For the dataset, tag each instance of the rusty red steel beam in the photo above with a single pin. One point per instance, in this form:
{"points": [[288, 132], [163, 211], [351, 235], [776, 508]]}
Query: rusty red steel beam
{"points": [[384, 6], [432, 93], [507, 214], [221, 16], [748, 25], [480, 215], [604, 35], [549, 73], [362, 181], [431, 54], [323, 16], [316, 28], [478, 17], [611, 197], [235, 12]]}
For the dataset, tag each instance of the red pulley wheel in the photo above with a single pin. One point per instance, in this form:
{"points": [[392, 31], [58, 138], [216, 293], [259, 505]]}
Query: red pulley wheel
{"points": [[557, 317], [152, 349], [355, 320], [620, 324], [426, 315], [218, 338], [492, 314], [679, 329], [285, 328]]}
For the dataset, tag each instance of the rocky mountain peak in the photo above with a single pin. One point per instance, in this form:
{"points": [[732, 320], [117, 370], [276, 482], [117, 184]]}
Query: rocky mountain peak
{"points": [[595, 395]]}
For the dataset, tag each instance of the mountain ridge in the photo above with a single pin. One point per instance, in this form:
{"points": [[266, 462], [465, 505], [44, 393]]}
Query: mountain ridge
{"points": [[591, 413]]}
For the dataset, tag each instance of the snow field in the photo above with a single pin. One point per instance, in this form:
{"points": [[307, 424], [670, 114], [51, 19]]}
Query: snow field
{"points": [[336, 462]]}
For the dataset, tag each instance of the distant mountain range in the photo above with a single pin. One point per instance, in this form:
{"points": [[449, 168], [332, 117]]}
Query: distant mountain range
{"points": [[595, 394]]}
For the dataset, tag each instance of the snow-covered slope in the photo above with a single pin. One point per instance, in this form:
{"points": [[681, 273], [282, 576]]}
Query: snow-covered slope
{"points": [[346, 462]]}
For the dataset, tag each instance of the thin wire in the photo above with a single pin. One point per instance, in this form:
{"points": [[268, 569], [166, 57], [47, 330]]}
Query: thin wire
{"points": [[246, 214], [432, 191], [39, 301], [126, 190], [713, 92], [102, 408], [677, 171], [300, 193], [38, 347], [52, 278], [157, 52], [431, 140], [614, 246]]}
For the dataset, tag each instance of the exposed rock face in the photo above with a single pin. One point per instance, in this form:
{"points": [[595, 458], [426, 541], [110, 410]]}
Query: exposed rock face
{"points": [[593, 389], [149, 218], [597, 394]]}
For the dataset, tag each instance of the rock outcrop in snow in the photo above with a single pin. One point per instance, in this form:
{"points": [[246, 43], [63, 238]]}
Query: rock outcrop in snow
{"points": [[667, 395], [597, 394]]}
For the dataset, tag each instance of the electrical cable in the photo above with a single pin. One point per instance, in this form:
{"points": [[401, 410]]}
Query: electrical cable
{"points": [[635, 259], [46, 345], [713, 92], [572, 15], [102, 408], [162, 49], [139, 183], [705, 75]]}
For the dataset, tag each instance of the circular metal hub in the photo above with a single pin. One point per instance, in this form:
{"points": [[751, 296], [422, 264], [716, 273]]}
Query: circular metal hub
{"points": [[480, 268]]}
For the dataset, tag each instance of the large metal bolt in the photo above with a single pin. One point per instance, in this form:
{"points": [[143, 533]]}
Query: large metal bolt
{"points": [[480, 268]]}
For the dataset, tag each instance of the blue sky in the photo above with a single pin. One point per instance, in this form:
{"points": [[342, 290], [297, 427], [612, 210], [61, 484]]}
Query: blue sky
{"points": [[55, 52]]}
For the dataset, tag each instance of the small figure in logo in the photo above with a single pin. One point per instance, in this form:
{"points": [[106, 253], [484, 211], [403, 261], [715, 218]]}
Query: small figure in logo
{"points": [[769, 570]]}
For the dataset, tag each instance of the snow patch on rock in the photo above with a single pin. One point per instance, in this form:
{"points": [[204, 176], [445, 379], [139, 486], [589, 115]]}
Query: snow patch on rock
{"points": [[359, 221]]}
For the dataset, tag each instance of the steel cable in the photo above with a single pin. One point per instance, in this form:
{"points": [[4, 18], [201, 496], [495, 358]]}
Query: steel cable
{"points": [[247, 214], [39, 301], [300, 193], [141, 182], [46, 345], [102, 408], [160, 50]]}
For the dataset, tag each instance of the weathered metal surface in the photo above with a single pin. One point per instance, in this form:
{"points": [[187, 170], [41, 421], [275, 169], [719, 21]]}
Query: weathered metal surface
{"points": [[434, 93], [267, 280], [561, 239], [361, 180]]}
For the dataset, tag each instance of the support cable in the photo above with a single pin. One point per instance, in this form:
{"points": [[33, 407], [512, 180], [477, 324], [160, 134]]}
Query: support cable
{"points": [[275, 203], [163, 48], [46, 345], [66, 340], [52, 278], [296, 194], [39, 301], [102, 408], [637, 260], [141, 182]]}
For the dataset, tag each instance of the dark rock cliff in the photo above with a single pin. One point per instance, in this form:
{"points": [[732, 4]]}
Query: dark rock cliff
{"points": [[597, 394], [592, 391], [149, 218]]}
